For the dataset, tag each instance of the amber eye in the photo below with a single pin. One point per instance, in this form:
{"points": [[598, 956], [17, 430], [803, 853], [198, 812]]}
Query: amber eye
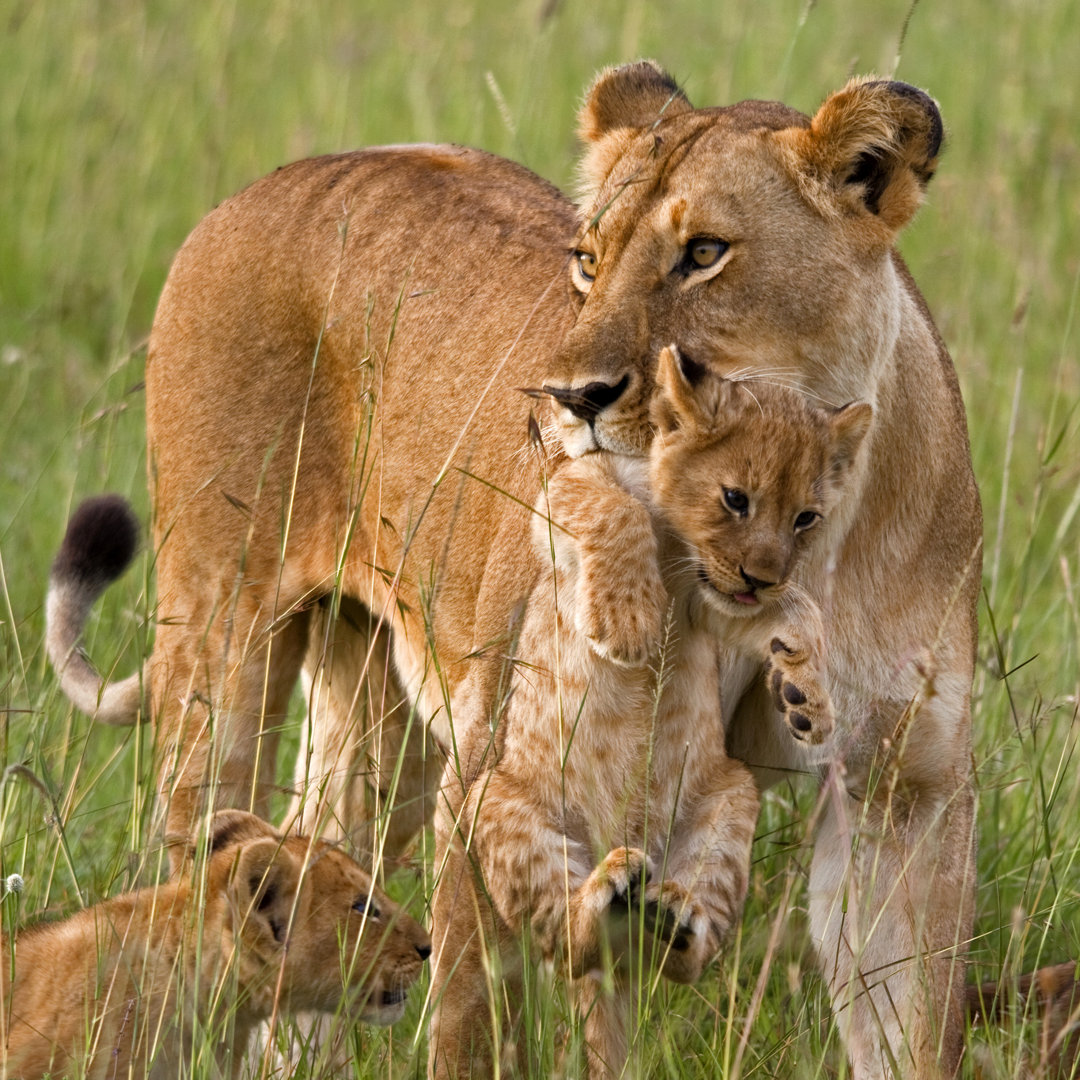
{"points": [[736, 501], [587, 263], [804, 520], [704, 251]]}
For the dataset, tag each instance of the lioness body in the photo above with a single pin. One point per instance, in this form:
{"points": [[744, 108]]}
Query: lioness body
{"points": [[123, 988], [277, 322]]}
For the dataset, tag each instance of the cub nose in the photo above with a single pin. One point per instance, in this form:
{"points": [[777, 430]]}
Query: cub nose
{"points": [[585, 402], [753, 582], [424, 951]]}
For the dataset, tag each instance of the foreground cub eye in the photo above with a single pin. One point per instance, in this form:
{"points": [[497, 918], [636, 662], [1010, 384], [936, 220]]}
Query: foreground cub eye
{"points": [[365, 906], [703, 252], [586, 264], [804, 520], [736, 500]]}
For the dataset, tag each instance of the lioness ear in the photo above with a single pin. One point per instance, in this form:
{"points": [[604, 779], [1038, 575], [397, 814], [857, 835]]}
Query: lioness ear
{"points": [[849, 425], [688, 395], [871, 149], [621, 100], [263, 887]]}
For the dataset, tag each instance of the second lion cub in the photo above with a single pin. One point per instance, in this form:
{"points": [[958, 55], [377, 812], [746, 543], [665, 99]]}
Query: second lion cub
{"points": [[608, 808]]}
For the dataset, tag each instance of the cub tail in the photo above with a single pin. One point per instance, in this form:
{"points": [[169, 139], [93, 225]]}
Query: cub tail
{"points": [[99, 544]]}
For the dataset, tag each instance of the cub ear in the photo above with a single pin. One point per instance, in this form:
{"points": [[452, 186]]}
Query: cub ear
{"points": [[688, 395], [263, 888], [622, 101], [871, 149], [849, 425], [224, 828]]}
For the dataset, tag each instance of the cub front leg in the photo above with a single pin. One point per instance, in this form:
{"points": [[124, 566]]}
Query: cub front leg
{"points": [[605, 535]]}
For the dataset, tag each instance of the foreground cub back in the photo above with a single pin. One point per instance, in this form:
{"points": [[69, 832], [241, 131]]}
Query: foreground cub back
{"points": [[139, 984]]}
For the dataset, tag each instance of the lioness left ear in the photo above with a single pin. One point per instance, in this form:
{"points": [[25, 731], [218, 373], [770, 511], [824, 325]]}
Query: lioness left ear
{"points": [[871, 148], [849, 425], [263, 887]]}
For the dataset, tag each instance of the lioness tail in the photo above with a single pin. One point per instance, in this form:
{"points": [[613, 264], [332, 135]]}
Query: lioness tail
{"points": [[99, 544]]}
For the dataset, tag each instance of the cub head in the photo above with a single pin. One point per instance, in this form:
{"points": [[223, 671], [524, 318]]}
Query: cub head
{"points": [[302, 910], [746, 473], [756, 239]]}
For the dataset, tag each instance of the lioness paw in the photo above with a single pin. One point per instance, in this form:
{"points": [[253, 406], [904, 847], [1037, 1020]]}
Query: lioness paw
{"points": [[798, 691], [621, 609]]}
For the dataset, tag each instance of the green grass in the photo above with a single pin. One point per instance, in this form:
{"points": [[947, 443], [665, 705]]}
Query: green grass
{"points": [[121, 124]]}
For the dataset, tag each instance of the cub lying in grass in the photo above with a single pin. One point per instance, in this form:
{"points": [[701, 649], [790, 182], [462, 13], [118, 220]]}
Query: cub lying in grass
{"points": [[132, 986], [610, 807]]}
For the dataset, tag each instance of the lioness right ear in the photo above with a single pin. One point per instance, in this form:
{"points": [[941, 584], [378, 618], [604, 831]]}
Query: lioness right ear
{"points": [[687, 395], [263, 887], [622, 101]]}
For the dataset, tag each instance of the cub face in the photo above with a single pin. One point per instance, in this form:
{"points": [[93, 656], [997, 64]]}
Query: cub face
{"points": [[746, 473]]}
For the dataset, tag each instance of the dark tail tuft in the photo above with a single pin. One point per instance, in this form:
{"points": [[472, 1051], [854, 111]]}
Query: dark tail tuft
{"points": [[100, 542]]}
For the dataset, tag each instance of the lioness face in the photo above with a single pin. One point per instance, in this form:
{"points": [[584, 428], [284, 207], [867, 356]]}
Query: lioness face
{"points": [[746, 473], [754, 239]]}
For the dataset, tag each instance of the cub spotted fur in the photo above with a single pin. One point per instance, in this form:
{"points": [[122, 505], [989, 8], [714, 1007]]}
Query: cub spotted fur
{"points": [[276, 922], [611, 803]]}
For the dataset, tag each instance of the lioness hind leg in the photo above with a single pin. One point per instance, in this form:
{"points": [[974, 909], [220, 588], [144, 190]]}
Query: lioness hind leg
{"points": [[364, 772]]}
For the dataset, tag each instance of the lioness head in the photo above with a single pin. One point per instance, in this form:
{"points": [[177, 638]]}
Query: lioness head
{"points": [[752, 237], [746, 472], [307, 923]]}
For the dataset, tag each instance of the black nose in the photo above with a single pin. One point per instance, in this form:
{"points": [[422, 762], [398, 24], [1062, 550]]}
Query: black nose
{"points": [[753, 582], [585, 402], [424, 951]]}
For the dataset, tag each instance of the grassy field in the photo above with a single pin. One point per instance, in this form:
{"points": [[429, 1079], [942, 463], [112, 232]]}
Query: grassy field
{"points": [[122, 123]]}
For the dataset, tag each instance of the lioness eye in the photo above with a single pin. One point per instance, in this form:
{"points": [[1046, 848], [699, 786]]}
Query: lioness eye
{"points": [[365, 907], [806, 519], [586, 262], [736, 500], [704, 251]]}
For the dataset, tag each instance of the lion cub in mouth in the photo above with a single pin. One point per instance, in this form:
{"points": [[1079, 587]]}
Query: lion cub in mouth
{"points": [[609, 817], [277, 923]]}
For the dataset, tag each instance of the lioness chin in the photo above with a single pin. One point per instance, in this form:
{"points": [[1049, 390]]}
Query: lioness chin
{"points": [[332, 411], [135, 984]]}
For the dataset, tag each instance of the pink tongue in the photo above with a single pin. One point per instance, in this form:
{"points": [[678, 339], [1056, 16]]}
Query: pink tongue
{"points": [[745, 597]]}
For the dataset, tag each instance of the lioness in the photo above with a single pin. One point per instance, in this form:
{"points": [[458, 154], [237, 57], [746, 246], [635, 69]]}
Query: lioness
{"points": [[276, 924], [332, 410], [608, 800]]}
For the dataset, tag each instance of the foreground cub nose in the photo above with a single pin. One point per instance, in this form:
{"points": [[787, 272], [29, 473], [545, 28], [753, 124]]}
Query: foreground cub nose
{"points": [[753, 582], [424, 951], [585, 402]]}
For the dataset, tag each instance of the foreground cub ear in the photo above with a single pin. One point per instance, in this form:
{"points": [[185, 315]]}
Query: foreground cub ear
{"points": [[224, 828], [622, 101], [870, 150], [262, 888], [688, 395], [849, 425]]}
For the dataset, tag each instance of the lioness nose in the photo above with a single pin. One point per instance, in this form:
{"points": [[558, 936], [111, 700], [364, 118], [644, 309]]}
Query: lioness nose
{"points": [[753, 582], [585, 402]]}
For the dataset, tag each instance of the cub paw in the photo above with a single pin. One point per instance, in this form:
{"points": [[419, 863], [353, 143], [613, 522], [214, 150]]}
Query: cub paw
{"points": [[677, 921], [626, 872], [621, 611], [799, 692]]}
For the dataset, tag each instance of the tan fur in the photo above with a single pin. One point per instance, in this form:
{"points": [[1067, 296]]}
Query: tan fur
{"points": [[275, 924], [431, 282], [608, 797]]}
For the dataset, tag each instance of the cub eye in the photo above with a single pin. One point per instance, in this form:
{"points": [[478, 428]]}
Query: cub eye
{"points": [[703, 252], [365, 906], [736, 501], [804, 520], [586, 264]]}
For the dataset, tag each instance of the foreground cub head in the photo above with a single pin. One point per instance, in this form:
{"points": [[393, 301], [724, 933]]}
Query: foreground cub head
{"points": [[746, 473], [305, 910]]}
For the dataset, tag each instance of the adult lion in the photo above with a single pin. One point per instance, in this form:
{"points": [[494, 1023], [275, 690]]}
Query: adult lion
{"points": [[434, 281]]}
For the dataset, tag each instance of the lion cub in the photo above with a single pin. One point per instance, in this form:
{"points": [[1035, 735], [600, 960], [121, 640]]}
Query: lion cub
{"points": [[123, 988], [610, 807]]}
